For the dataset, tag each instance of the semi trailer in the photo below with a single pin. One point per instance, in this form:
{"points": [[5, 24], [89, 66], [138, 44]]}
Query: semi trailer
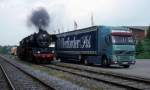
{"points": [[105, 45]]}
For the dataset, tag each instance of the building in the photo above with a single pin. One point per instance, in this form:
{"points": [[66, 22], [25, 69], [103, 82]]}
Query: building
{"points": [[139, 32]]}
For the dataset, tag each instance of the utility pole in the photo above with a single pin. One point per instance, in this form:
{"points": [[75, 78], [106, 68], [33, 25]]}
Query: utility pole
{"points": [[58, 31], [92, 20], [75, 25]]}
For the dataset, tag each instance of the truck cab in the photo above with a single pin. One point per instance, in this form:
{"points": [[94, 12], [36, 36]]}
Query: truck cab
{"points": [[117, 46]]}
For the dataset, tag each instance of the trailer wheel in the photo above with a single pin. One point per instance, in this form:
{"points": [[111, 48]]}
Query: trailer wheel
{"points": [[81, 60], [105, 62], [85, 62]]}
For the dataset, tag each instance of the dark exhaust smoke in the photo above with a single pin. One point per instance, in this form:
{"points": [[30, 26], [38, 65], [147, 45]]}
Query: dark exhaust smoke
{"points": [[39, 18]]}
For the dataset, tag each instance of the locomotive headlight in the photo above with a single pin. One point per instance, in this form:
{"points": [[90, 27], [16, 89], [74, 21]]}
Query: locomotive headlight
{"points": [[44, 35], [38, 52]]}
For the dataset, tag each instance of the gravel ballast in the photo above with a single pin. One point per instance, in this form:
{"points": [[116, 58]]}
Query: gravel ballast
{"points": [[77, 80], [54, 82]]}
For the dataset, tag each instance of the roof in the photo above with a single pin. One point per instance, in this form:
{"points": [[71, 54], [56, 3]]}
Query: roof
{"points": [[142, 28], [138, 27]]}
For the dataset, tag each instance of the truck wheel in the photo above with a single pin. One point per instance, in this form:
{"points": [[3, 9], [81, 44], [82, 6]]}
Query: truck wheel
{"points": [[86, 62], [105, 62], [126, 66], [81, 60]]}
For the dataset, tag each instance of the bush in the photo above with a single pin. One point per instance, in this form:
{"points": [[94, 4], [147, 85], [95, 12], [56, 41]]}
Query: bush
{"points": [[4, 50], [144, 55], [143, 47], [139, 48]]}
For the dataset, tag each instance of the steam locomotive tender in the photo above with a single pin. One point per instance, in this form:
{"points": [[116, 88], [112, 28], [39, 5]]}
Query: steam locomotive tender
{"points": [[36, 47]]}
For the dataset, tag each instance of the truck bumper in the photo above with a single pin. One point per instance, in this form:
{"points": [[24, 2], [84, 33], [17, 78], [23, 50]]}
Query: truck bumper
{"points": [[124, 62]]}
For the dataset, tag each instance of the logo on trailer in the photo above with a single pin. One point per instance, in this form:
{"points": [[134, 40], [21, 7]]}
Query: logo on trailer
{"points": [[83, 42]]}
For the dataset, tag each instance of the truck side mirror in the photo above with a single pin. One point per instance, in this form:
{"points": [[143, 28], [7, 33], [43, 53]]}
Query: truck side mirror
{"points": [[108, 39]]}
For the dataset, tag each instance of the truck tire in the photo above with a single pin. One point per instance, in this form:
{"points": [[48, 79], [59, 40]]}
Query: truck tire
{"points": [[105, 62], [126, 66], [87, 63], [80, 58], [83, 60]]}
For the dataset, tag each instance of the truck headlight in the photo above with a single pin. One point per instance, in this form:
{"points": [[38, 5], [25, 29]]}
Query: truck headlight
{"points": [[114, 57], [132, 57]]}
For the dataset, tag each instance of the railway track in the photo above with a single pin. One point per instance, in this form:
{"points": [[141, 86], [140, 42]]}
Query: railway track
{"points": [[132, 83], [18, 79], [5, 82]]}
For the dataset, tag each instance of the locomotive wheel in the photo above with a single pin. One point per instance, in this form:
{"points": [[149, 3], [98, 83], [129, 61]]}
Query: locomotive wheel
{"points": [[38, 61], [54, 58], [61, 59], [47, 62], [30, 58]]}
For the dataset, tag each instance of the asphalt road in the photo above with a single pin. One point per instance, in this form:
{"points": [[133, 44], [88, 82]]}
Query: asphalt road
{"points": [[141, 68]]}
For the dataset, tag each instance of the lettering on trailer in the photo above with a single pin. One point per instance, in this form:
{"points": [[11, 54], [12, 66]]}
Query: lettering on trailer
{"points": [[83, 42]]}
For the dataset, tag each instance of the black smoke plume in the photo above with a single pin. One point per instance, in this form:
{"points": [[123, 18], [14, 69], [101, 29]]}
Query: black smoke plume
{"points": [[39, 18]]}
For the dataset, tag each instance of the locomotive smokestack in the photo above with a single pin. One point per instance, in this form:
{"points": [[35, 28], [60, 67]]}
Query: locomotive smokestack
{"points": [[40, 30], [39, 18]]}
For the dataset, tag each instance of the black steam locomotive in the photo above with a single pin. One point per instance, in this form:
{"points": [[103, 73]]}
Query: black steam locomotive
{"points": [[36, 47]]}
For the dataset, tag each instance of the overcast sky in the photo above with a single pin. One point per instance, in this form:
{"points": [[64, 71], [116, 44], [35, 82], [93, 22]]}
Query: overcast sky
{"points": [[63, 13]]}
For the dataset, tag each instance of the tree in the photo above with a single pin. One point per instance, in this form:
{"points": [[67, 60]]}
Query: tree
{"points": [[148, 33], [143, 47], [4, 50], [139, 48], [147, 41]]}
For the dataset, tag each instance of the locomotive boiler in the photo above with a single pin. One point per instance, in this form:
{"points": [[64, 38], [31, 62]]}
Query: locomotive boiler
{"points": [[36, 47]]}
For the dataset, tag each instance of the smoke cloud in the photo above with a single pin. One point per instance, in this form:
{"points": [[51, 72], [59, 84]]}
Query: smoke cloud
{"points": [[39, 18]]}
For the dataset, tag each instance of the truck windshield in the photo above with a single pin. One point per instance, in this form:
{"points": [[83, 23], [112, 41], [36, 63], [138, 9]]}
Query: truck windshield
{"points": [[122, 40]]}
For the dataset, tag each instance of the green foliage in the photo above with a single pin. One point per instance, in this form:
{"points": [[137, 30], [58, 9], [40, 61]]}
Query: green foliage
{"points": [[4, 50], [146, 44], [139, 48], [147, 41], [148, 33], [144, 55], [143, 47]]}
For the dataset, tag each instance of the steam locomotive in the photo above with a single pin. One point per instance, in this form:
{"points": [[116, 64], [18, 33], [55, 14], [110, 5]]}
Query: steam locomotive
{"points": [[36, 47]]}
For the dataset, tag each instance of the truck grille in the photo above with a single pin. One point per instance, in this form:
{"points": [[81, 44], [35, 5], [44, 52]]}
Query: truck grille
{"points": [[123, 58]]}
